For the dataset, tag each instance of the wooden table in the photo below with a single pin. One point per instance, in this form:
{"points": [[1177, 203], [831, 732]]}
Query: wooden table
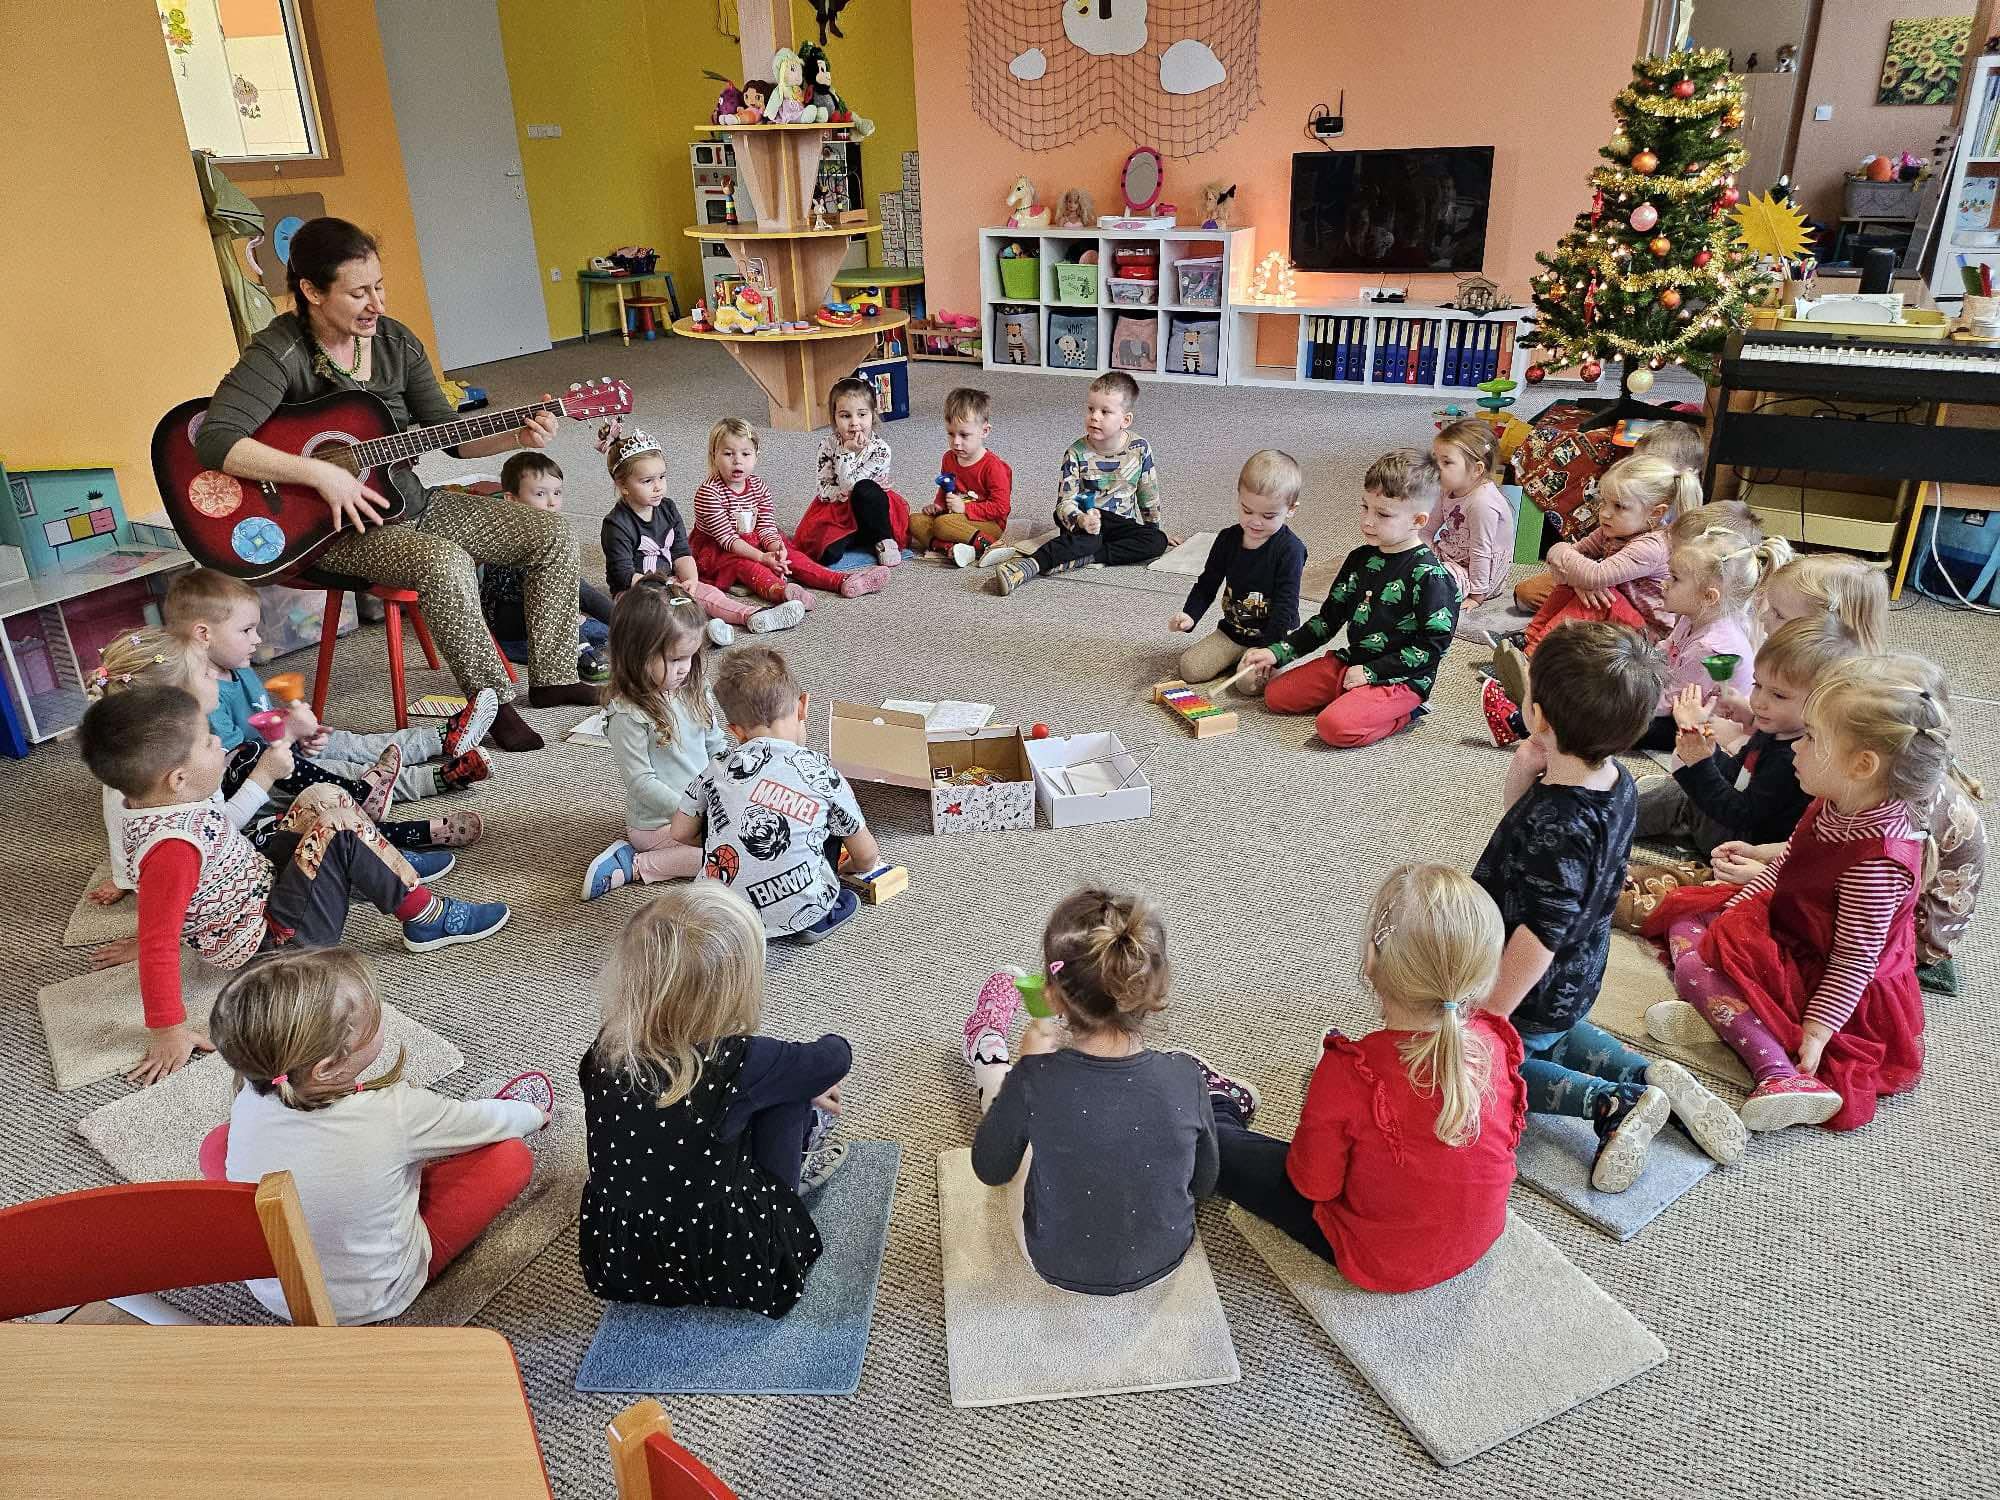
{"points": [[219, 1412]]}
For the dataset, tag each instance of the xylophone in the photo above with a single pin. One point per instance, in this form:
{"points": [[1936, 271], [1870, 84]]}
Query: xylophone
{"points": [[1194, 709]]}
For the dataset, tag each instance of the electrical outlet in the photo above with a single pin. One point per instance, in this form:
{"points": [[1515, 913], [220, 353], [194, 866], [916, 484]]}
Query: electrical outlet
{"points": [[555, 273], [1974, 517], [1822, 111], [544, 132]]}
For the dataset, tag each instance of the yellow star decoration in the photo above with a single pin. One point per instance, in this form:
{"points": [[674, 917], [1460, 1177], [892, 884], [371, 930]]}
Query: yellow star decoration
{"points": [[1771, 228]]}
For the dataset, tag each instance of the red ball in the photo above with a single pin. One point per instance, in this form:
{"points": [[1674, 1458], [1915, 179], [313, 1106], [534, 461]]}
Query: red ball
{"points": [[1590, 369], [1536, 374], [1660, 245], [1684, 89], [1702, 258], [1670, 298], [1039, 732], [1645, 163], [1729, 197]]}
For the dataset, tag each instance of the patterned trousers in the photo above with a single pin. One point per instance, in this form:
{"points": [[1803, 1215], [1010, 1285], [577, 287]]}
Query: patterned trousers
{"points": [[437, 556]]}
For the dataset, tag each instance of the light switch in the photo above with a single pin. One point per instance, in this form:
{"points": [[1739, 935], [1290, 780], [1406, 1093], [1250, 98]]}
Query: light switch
{"points": [[1820, 112]]}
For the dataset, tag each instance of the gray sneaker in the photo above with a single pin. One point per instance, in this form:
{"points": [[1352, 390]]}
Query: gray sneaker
{"points": [[777, 617], [821, 1165]]}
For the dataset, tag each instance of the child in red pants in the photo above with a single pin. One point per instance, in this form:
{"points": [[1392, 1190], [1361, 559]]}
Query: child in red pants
{"points": [[395, 1181], [1399, 604], [736, 538]]}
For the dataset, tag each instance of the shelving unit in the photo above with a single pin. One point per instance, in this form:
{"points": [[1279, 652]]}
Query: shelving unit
{"points": [[717, 188], [1253, 346], [1234, 247], [1969, 216]]}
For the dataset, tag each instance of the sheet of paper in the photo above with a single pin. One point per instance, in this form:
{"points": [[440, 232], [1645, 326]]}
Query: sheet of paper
{"points": [[590, 731], [950, 714]]}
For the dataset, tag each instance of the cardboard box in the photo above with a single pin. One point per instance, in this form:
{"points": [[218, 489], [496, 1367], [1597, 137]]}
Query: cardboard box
{"points": [[869, 743], [1090, 778]]}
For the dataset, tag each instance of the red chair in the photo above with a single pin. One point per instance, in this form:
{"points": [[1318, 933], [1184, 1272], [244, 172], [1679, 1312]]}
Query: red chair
{"points": [[394, 602], [649, 1465], [155, 1236]]}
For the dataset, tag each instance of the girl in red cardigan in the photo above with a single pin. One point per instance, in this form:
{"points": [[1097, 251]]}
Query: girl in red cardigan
{"points": [[1405, 1150], [1808, 973]]}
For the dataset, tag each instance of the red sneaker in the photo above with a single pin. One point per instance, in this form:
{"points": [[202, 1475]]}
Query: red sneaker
{"points": [[1503, 718], [465, 729], [461, 771], [1798, 1100]]}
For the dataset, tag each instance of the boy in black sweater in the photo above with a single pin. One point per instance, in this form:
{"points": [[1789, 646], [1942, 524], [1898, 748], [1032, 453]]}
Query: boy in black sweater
{"points": [[1554, 867], [1256, 564], [1399, 604]]}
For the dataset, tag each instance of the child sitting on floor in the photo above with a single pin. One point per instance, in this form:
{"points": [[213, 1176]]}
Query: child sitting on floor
{"points": [[771, 816], [1853, 592], [1399, 605], [1119, 1139], [1471, 529], [1404, 1154], [534, 479], [1716, 798], [395, 1182], [1107, 498], [737, 542], [1681, 446], [223, 615], [702, 1134], [1256, 565], [1808, 973], [1554, 867], [664, 727], [853, 507], [1619, 571], [969, 513], [201, 882]]}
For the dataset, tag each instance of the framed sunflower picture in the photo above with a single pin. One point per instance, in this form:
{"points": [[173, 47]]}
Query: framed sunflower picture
{"points": [[1923, 60]]}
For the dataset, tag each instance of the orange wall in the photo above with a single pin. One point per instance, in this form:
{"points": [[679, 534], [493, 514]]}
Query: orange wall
{"points": [[370, 188], [113, 311], [1403, 89]]}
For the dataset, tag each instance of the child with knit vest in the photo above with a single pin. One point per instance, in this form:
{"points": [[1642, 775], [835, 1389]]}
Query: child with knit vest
{"points": [[1399, 605], [1107, 498], [975, 490], [201, 882]]}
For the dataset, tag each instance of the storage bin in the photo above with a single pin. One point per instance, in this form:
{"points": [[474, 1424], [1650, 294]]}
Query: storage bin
{"points": [[1128, 293], [1199, 281], [1072, 341], [1134, 343], [1139, 262], [1194, 345], [1015, 336], [1862, 199], [1076, 284], [1020, 276]]}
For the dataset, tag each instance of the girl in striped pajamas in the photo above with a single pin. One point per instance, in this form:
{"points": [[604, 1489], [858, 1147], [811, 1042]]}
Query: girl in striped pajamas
{"points": [[1808, 973]]}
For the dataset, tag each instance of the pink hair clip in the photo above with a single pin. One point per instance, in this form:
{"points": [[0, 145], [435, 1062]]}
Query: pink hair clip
{"points": [[1056, 967]]}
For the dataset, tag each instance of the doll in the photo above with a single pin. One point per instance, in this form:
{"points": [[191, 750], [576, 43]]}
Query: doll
{"points": [[1075, 210], [789, 95], [756, 95]]}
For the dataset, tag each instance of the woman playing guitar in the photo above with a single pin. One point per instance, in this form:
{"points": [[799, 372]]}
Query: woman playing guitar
{"points": [[339, 338]]}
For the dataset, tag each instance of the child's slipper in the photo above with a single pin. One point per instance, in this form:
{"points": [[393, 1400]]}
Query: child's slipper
{"points": [[1622, 1157], [532, 1087], [994, 1012], [1716, 1128], [381, 782], [1502, 717], [456, 830]]}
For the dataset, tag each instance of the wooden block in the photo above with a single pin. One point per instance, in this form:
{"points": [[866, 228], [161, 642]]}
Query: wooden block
{"points": [[1203, 719], [879, 884]]}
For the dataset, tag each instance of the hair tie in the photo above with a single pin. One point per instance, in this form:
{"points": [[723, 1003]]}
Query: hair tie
{"points": [[1056, 967], [1452, 1007], [281, 1078]]}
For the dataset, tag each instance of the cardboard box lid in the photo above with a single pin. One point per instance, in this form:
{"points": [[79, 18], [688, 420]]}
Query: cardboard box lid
{"points": [[871, 743]]}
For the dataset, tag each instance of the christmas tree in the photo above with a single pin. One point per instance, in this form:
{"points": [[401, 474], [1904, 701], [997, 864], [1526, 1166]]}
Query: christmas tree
{"points": [[1653, 273]]}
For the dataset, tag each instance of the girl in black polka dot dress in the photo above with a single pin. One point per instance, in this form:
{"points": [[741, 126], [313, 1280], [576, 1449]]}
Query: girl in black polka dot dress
{"points": [[702, 1134]]}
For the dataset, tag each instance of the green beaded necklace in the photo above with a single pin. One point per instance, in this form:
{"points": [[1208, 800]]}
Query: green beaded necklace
{"points": [[352, 372]]}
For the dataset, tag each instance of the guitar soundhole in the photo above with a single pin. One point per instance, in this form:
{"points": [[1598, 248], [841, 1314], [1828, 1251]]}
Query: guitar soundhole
{"points": [[215, 493]]}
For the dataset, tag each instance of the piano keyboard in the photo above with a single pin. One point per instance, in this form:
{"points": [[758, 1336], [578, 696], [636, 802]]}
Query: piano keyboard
{"points": [[1888, 354]]}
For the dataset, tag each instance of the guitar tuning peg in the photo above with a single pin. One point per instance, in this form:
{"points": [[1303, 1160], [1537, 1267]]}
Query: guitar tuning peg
{"points": [[574, 386]]}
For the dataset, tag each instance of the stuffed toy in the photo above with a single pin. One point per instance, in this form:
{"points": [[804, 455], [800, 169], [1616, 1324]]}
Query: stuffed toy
{"points": [[819, 89], [789, 94], [1023, 211], [756, 95], [727, 104], [1218, 205]]}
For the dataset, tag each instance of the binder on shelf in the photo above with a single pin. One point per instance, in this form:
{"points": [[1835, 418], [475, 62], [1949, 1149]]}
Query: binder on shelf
{"points": [[1490, 360], [1454, 337], [1427, 366], [1379, 348], [1418, 332], [1315, 348], [1347, 365]]}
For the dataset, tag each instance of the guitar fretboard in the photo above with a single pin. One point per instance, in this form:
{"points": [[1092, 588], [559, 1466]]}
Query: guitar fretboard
{"points": [[418, 441]]}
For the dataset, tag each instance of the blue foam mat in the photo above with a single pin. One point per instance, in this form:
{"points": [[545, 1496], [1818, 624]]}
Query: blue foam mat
{"points": [[1555, 1157], [816, 1349]]}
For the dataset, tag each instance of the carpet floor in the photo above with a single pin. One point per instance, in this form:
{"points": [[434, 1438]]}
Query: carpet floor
{"points": [[1829, 1307]]}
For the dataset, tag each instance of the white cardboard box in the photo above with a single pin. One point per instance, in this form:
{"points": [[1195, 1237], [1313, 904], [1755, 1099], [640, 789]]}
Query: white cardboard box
{"points": [[1090, 778], [868, 743]]}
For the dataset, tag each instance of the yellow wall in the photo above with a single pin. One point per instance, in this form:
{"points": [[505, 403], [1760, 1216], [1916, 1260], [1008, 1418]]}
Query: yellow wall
{"points": [[370, 188], [113, 310], [628, 91]]}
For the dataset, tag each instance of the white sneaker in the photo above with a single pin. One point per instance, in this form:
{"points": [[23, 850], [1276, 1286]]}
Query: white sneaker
{"points": [[777, 617], [962, 555], [888, 554], [1716, 1128], [997, 555], [721, 632], [1680, 1023]]}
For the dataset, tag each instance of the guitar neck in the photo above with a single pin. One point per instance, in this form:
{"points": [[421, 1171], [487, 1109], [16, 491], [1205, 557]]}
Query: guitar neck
{"points": [[421, 440]]}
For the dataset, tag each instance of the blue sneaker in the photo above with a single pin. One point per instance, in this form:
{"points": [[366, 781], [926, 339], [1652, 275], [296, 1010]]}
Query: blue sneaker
{"points": [[455, 922], [845, 907], [430, 863], [610, 870]]}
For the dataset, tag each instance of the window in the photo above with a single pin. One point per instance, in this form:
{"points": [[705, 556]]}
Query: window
{"points": [[244, 77]]}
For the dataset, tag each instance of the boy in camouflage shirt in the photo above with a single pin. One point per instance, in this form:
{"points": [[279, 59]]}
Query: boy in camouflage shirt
{"points": [[1399, 604]]}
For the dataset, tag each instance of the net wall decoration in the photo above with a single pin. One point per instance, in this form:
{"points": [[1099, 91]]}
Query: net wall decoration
{"points": [[1177, 75]]}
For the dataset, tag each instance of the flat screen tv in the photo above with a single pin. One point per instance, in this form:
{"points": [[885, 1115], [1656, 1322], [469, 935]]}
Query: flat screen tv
{"points": [[1422, 209]]}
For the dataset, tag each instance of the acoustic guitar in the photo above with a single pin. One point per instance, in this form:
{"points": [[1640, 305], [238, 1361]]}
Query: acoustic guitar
{"points": [[258, 529]]}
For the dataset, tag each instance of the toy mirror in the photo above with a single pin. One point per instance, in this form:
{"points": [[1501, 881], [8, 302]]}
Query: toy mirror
{"points": [[1140, 180]]}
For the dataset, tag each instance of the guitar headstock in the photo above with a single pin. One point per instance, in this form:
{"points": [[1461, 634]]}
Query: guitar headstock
{"points": [[591, 399]]}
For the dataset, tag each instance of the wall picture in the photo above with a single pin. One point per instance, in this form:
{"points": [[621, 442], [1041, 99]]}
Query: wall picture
{"points": [[1924, 59]]}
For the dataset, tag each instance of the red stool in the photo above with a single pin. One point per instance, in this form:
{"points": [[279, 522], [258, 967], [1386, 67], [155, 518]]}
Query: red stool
{"points": [[394, 602], [641, 312]]}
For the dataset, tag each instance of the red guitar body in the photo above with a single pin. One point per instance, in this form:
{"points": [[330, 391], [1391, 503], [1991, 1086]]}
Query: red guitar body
{"points": [[257, 530]]}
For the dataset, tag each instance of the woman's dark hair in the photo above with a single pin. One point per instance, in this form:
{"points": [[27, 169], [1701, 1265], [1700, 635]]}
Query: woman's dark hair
{"points": [[319, 249]]}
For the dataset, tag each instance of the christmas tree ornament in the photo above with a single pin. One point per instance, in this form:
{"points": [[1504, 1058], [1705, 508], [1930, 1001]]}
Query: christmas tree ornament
{"points": [[1732, 119], [1596, 205], [1770, 227], [1590, 369], [1646, 163], [1659, 244], [1728, 197], [1684, 89], [1621, 145], [1692, 169], [1644, 217], [1536, 374], [1702, 258], [1670, 298], [1639, 382], [1656, 363]]}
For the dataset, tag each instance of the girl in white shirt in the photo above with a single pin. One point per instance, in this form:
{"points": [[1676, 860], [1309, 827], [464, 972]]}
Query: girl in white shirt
{"points": [[394, 1181], [664, 728]]}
